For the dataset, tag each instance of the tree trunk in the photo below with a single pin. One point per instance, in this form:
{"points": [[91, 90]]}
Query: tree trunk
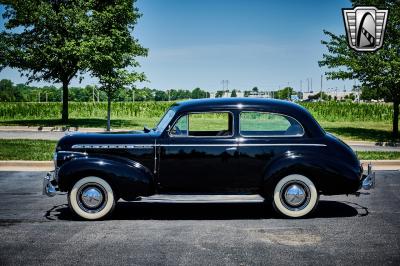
{"points": [[108, 112], [65, 102], [395, 132]]}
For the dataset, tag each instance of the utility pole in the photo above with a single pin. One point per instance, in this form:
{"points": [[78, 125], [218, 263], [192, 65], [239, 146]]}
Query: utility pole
{"points": [[320, 95], [93, 93], [311, 86], [39, 96], [133, 95], [308, 85], [46, 97]]}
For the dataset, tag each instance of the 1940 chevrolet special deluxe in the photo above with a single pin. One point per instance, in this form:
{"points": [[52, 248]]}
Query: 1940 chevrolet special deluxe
{"points": [[209, 150]]}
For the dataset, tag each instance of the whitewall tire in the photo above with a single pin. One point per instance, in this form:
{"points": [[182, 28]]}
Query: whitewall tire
{"points": [[91, 198], [295, 196]]}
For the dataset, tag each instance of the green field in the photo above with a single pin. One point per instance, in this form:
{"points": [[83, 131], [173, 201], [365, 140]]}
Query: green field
{"points": [[350, 121], [42, 150]]}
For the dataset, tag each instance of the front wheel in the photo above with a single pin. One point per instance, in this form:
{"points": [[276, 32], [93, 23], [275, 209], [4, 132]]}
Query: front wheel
{"points": [[295, 196], [91, 198]]}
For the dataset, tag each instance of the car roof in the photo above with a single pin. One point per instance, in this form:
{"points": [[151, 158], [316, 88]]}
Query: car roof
{"points": [[236, 103]]}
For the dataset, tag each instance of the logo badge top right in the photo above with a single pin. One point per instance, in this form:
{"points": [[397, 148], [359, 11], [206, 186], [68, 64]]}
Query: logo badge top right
{"points": [[365, 27]]}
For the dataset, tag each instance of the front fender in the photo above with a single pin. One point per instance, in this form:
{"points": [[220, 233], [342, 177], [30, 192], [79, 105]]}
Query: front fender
{"points": [[331, 176], [128, 178]]}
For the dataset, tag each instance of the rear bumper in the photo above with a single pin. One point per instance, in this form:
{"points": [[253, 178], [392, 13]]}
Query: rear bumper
{"points": [[368, 180], [50, 186]]}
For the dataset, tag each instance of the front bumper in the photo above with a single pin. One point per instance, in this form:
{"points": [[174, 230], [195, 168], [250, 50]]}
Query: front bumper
{"points": [[50, 186], [368, 180]]}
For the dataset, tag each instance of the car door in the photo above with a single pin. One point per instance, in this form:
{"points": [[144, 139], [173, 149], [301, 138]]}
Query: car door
{"points": [[199, 154], [264, 136]]}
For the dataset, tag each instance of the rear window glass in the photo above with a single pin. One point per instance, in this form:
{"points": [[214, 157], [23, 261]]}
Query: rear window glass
{"points": [[268, 124]]}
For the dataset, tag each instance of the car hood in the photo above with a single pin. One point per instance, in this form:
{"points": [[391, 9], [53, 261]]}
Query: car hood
{"points": [[131, 137]]}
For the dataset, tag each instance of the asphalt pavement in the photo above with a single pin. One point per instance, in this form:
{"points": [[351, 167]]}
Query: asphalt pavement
{"points": [[35, 229], [56, 135]]}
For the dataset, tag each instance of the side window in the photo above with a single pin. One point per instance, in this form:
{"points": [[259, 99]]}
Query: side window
{"points": [[207, 124], [268, 124]]}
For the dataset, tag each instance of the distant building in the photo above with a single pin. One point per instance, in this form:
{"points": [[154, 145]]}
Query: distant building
{"points": [[240, 94], [340, 95], [227, 94]]}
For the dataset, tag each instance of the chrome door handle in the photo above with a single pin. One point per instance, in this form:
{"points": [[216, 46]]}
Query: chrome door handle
{"points": [[231, 149]]}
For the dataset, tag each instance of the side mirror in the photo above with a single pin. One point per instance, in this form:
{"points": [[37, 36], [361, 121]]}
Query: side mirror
{"points": [[146, 129]]}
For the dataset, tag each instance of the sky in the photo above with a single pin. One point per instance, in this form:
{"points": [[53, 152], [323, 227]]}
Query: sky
{"points": [[193, 43]]}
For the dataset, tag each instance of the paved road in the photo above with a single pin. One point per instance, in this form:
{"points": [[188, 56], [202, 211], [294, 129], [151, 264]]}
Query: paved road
{"points": [[56, 135], [344, 230]]}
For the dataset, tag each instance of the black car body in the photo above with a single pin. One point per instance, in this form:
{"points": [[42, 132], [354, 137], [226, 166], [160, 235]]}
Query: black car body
{"points": [[262, 142]]}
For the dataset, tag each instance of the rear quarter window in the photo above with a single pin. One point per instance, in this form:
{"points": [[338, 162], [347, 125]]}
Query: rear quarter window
{"points": [[269, 124]]}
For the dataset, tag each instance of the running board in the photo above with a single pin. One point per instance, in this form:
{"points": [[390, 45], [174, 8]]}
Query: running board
{"points": [[202, 198]]}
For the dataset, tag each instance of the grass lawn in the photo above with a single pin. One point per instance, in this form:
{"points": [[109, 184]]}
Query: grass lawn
{"points": [[378, 155], [366, 131], [42, 150], [27, 149]]}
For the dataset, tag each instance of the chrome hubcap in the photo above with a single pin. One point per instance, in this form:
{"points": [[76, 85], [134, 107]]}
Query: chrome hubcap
{"points": [[295, 195], [92, 197]]}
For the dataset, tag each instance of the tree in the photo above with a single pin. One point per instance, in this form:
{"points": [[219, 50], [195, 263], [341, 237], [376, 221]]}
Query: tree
{"points": [[44, 40], [378, 70], [197, 93], [284, 93], [233, 94], [113, 48], [255, 89]]}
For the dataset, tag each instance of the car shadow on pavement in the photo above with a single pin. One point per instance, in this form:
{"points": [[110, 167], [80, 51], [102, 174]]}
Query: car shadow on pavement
{"points": [[208, 211]]}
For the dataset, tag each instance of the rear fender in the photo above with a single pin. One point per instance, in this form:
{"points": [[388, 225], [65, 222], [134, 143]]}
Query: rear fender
{"points": [[329, 176]]}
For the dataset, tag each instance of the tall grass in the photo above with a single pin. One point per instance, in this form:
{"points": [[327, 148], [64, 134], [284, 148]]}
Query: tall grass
{"points": [[20, 110], [322, 111], [350, 112]]}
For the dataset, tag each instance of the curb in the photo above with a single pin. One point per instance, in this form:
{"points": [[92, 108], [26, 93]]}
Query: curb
{"points": [[49, 165], [370, 143]]}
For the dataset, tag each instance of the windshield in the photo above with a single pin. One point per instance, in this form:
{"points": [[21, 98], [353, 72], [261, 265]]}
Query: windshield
{"points": [[165, 120]]}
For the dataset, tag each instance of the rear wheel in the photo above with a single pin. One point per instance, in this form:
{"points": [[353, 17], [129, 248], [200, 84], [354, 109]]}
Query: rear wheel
{"points": [[91, 198], [295, 196]]}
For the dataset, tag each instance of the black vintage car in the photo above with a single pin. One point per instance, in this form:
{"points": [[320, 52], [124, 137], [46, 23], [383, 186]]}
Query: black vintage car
{"points": [[236, 149]]}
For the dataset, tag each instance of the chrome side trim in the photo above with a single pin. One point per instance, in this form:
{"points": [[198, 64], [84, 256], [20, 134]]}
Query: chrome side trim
{"points": [[286, 144], [150, 146], [112, 146]]}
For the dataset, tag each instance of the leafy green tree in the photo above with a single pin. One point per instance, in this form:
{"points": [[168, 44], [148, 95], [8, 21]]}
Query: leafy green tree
{"points": [[378, 70], [284, 93], [197, 93], [233, 94], [44, 40], [255, 89], [161, 96], [113, 48]]}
